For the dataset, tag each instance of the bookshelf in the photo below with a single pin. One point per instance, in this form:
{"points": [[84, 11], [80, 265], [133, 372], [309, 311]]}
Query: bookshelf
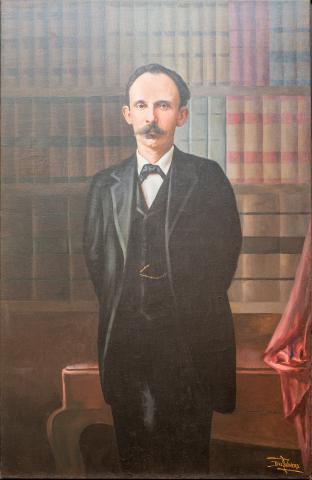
{"points": [[65, 64]]}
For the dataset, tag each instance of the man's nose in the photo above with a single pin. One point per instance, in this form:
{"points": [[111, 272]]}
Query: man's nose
{"points": [[150, 114]]}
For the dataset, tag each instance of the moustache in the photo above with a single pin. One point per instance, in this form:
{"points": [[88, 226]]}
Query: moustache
{"points": [[151, 128]]}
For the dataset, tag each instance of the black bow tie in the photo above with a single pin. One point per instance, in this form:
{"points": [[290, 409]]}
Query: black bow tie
{"points": [[149, 168]]}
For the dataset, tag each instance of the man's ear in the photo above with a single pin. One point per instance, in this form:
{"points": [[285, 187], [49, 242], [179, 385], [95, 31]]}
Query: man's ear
{"points": [[127, 114], [183, 116]]}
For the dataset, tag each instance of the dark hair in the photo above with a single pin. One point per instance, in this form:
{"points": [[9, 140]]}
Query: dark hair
{"points": [[155, 68]]}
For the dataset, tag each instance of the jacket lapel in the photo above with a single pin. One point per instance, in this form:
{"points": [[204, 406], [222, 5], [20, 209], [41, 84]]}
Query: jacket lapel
{"points": [[183, 180], [122, 192]]}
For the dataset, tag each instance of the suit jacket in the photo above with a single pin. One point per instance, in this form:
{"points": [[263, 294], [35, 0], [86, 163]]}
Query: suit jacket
{"points": [[203, 241]]}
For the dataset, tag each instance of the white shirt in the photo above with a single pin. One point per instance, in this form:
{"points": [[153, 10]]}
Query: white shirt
{"points": [[153, 182]]}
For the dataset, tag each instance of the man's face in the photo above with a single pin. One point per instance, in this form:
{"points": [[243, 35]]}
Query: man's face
{"points": [[154, 111]]}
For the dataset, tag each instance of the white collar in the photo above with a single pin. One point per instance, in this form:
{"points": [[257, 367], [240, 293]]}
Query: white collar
{"points": [[164, 162]]}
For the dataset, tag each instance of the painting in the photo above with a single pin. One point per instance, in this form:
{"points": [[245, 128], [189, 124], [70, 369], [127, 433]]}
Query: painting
{"points": [[65, 66]]}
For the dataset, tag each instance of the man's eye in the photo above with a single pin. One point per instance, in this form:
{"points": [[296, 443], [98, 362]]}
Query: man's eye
{"points": [[140, 106], [164, 106]]}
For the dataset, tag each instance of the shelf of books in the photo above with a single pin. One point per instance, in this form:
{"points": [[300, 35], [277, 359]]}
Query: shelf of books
{"points": [[64, 67]]}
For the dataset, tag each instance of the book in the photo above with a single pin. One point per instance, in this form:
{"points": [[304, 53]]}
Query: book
{"points": [[26, 47], [111, 43], [182, 41], [208, 14], [222, 43], [70, 44], [154, 29], [76, 137], [40, 33], [59, 121], [84, 35], [217, 130], [126, 42], [289, 139], [262, 64], [289, 38], [198, 126], [196, 47], [304, 139], [235, 138], [253, 140], [167, 39], [303, 43], [98, 43], [55, 43], [249, 34], [271, 139], [10, 31], [141, 34], [94, 135]]}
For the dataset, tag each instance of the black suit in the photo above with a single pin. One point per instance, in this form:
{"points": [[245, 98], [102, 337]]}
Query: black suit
{"points": [[202, 244]]}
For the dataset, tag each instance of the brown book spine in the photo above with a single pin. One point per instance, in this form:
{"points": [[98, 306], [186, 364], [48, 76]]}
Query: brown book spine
{"points": [[77, 137], [58, 155], [94, 135]]}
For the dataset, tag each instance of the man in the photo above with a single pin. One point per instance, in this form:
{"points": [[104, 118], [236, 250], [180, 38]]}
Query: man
{"points": [[162, 239]]}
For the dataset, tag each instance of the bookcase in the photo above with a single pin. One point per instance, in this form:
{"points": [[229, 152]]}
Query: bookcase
{"points": [[64, 67], [65, 64]]}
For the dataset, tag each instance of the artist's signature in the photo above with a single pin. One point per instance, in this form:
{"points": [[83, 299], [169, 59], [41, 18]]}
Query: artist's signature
{"points": [[284, 464]]}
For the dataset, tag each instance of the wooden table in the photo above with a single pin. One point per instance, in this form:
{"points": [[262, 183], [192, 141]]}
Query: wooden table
{"points": [[257, 420]]}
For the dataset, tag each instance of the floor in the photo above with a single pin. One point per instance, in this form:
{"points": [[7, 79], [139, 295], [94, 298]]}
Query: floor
{"points": [[228, 460]]}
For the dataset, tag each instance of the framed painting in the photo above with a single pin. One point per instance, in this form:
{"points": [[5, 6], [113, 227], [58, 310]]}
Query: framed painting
{"points": [[224, 89]]}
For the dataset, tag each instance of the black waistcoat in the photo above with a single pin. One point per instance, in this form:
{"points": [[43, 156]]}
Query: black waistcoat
{"points": [[146, 287]]}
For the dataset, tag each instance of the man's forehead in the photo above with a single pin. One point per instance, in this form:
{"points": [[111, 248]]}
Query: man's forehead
{"points": [[153, 85]]}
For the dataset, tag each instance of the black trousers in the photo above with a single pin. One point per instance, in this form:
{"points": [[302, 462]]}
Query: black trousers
{"points": [[162, 418]]}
